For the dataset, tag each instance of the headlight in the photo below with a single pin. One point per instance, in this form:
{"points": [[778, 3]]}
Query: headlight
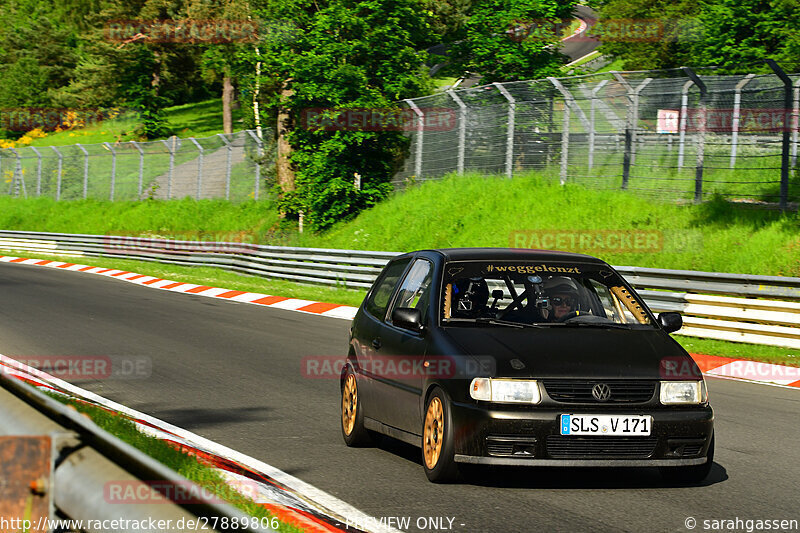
{"points": [[505, 390], [683, 392]]}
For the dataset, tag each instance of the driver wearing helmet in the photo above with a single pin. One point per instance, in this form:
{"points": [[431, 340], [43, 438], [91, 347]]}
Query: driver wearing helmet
{"points": [[562, 294], [470, 297]]}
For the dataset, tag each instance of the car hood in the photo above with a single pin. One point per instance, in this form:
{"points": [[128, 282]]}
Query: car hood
{"points": [[575, 352]]}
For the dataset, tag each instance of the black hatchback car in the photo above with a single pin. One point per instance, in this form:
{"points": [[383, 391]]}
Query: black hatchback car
{"points": [[522, 357]]}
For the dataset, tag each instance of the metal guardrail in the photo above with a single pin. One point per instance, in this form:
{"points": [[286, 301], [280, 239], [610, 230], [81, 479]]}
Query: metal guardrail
{"points": [[86, 460], [734, 307]]}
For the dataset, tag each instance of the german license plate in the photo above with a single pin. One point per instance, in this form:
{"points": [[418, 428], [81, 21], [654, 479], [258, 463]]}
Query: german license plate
{"points": [[632, 425]]}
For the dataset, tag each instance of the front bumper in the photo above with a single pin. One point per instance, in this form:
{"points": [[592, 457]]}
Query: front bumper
{"points": [[530, 436]]}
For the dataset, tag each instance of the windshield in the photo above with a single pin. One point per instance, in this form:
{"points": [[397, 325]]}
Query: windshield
{"points": [[503, 293]]}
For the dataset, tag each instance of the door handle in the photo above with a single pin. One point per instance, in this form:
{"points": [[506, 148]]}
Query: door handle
{"points": [[376, 343]]}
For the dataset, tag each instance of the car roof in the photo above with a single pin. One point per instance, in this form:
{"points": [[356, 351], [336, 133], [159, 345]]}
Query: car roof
{"points": [[512, 254]]}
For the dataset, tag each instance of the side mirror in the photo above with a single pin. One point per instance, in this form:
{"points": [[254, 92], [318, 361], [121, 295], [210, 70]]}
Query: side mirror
{"points": [[670, 321], [407, 318]]}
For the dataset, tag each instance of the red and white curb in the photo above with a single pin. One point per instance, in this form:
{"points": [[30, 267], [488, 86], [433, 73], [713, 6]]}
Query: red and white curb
{"points": [[279, 302], [747, 370], [288, 498]]}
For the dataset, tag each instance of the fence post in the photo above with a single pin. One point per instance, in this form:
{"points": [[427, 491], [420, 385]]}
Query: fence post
{"points": [[628, 157], [737, 104], [787, 105], [17, 178], [420, 131], [85, 170], [38, 172], [795, 121], [596, 90], [512, 113], [199, 167], [462, 130], [141, 166], [701, 136], [259, 151], [569, 103], [227, 165], [682, 123], [60, 168], [171, 168], [113, 169]]}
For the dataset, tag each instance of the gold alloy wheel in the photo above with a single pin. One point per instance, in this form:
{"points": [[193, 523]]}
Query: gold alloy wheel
{"points": [[433, 433], [349, 403]]}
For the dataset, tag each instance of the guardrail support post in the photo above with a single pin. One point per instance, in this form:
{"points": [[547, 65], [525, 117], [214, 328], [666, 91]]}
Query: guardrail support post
{"points": [[60, 169], [787, 105], [141, 166], [229, 146], [260, 152], [420, 131], [512, 112], [85, 170], [199, 167], [113, 170], [38, 171], [462, 130], [737, 104], [597, 89], [701, 136]]}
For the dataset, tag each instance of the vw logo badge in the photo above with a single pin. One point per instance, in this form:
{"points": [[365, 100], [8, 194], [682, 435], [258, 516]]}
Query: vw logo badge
{"points": [[601, 392]]}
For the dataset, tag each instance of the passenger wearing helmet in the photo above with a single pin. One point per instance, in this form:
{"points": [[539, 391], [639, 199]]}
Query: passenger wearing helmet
{"points": [[470, 296], [562, 294]]}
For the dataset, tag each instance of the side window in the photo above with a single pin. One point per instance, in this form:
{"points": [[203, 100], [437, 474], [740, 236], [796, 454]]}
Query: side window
{"points": [[414, 290], [384, 287]]}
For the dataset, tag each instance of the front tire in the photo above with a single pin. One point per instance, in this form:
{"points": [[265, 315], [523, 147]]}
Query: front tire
{"points": [[689, 474], [353, 430], [438, 448]]}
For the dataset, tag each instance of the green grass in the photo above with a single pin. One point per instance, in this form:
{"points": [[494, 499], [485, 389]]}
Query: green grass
{"points": [[182, 463], [756, 352], [206, 219], [585, 59], [474, 210], [200, 119], [616, 64]]}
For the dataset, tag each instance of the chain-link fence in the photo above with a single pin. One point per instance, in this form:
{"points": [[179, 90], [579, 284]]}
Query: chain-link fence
{"points": [[676, 133], [233, 166]]}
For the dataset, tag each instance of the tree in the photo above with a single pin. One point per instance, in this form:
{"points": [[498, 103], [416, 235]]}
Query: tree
{"points": [[351, 54], [738, 35], [488, 46]]}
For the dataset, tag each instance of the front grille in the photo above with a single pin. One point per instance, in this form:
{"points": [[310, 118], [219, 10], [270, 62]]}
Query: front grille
{"points": [[565, 447], [511, 445], [691, 449], [580, 391]]}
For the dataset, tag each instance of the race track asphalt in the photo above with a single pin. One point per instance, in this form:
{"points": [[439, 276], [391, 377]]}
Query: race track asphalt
{"points": [[231, 372]]}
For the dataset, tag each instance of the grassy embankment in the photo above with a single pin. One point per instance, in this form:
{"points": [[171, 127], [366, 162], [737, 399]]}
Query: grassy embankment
{"points": [[188, 466], [467, 211]]}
